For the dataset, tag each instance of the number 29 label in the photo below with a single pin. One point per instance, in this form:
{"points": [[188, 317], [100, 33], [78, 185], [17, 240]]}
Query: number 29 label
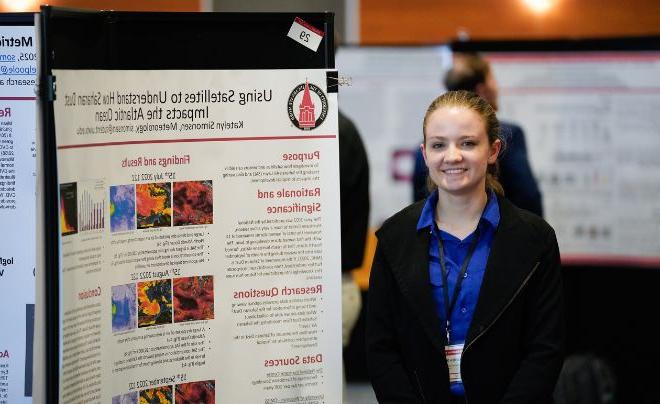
{"points": [[305, 34]]}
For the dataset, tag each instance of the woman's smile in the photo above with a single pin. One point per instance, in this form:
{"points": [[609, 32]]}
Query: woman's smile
{"points": [[451, 171]]}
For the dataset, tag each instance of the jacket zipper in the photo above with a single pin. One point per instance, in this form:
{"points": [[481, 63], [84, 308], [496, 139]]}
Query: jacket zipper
{"points": [[419, 386], [498, 316]]}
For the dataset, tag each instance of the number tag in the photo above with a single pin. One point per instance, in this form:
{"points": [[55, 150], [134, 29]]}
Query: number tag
{"points": [[305, 34]]}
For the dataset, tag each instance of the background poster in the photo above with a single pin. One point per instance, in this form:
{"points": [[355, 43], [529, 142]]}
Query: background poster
{"points": [[590, 121], [592, 126], [18, 61], [199, 236], [390, 90]]}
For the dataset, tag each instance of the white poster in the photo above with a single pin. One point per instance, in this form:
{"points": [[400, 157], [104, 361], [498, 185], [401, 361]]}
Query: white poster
{"points": [[18, 61], [200, 236], [593, 135]]}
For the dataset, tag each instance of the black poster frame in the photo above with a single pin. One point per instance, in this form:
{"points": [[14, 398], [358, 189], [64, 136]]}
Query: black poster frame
{"points": [[640, 43], [110, 40]]}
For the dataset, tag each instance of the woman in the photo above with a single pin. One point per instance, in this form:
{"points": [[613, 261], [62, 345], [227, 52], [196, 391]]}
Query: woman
{"points": [[465, 292]]}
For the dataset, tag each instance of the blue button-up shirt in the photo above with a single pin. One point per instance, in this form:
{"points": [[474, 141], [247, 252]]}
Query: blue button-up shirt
{"points": [[456, 251]]}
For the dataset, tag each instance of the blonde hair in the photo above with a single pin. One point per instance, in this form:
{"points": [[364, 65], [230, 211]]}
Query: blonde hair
{"points": [[471, 101]]}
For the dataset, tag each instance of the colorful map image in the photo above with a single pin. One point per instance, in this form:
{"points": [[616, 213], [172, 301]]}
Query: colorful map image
{"points": [[129, 398], [158, 395], [154, 302], [154, 208], [193, 298], [68, 208], [197, 392], [124, 307], [122, 208], [193, 202]]}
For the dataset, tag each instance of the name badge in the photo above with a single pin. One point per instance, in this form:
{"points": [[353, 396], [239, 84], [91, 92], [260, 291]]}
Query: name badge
{"points": [[453, 356]]}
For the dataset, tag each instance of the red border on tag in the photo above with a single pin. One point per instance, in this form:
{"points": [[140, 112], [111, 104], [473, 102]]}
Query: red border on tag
{"points": [[308, 26]]}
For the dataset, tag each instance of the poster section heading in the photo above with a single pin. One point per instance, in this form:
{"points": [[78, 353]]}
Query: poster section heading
{"points": [[226, 108], [184, 252]]}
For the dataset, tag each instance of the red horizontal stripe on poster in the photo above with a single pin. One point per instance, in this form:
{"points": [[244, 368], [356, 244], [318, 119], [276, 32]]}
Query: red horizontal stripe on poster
{"points": [[209, 139], [575, 56]]}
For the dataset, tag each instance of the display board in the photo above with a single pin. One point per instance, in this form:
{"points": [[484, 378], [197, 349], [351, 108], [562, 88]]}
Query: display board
{"points": [[199, 240], [18, 71], [389, 92], [574, 99], [593, 136]]}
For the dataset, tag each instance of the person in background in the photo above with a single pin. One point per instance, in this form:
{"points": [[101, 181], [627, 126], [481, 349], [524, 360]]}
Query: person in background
{"points": [[354, 210], [471, 72], [465, 296], [354, 207]]}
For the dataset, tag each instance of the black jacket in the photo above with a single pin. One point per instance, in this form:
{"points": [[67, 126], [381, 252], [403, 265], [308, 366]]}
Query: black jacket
{"points": [[353, 194], [513, 351]]}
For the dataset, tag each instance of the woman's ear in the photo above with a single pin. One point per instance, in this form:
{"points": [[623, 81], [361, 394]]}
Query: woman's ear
{"points": [[494, 151], [423, 149]]}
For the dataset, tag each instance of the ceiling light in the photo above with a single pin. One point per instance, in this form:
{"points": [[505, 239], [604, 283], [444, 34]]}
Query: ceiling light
{"points": [[539, 6], [17, 6]]}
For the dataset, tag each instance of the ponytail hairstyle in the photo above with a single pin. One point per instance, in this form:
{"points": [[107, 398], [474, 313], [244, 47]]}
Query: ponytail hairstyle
{"points": [[471, 101]]}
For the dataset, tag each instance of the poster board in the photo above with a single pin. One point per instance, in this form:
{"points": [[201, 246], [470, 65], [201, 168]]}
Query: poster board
{"points": [[199, 244], [18, 115], [589, 110]]}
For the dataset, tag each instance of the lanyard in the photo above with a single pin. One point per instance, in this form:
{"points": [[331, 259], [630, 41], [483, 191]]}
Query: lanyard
{"points": [[449, 307]]}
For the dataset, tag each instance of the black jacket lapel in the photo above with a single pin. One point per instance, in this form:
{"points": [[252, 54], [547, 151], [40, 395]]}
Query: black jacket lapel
{"points": [[409, 258], [512, 257]]}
